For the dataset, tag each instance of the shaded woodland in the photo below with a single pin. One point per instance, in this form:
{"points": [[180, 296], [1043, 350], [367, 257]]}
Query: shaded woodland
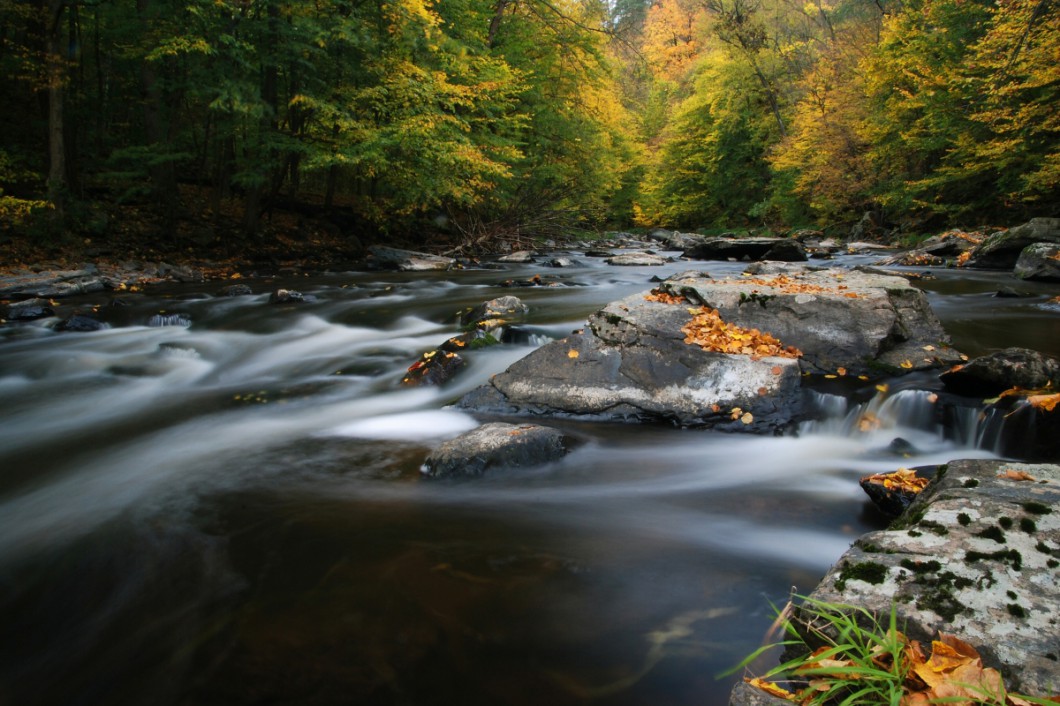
{"points": [[477, 121]]}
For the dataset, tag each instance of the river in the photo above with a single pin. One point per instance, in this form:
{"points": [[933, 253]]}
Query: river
{"points": [[231, 511]]}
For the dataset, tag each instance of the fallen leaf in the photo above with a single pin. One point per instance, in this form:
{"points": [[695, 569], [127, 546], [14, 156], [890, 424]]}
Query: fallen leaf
{"points": [[572, 353], [1009, 474], [776, 370], [770, 688], [841, 371], [882, 387], [747, 418], [907, 364], [1046, 403]]}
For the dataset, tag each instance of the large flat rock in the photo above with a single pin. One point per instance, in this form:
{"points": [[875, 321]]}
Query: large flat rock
{"points": [[632, 361], [855, 320], [631, 364], [977, 556]]}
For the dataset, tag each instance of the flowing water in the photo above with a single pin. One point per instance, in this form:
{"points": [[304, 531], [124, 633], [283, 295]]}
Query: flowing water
{"points": [[225, 506]]}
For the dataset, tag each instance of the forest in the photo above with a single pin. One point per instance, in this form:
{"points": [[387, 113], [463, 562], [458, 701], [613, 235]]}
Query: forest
{"points": [[475, 121]]}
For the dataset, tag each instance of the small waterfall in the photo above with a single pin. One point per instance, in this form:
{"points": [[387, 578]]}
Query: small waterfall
{"points": [[922, 418], [169, 320], [906, 409]]}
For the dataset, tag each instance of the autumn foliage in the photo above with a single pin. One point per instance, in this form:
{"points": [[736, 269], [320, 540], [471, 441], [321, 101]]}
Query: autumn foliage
{"points": [[879, 664], [711, 333]]}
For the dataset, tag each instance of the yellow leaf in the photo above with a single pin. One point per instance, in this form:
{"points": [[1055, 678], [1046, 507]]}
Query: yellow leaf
{"points": [[907, 364], [1046, 403], [747, 418], [1009, 474], [770, 688], [881, 387], [572, 353]]}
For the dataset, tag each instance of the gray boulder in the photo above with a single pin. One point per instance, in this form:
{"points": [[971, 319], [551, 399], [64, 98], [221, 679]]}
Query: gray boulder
{"points": [[989, 375], [1001, 250], [505, 308], [675, 240], [975, 556], [493, 447], [1040, 261], [637, 259], [520, 257], [837, 318], [52, 283], [632, 362], [746, 249], [80, 323], [28, 310], [386, 258]]}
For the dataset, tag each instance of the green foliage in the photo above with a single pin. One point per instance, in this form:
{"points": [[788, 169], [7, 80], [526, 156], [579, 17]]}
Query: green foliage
{"points": [[712, 167], [849, 654]]}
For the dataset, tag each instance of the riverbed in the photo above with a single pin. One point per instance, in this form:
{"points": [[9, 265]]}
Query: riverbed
{"points": [[229, 509]]}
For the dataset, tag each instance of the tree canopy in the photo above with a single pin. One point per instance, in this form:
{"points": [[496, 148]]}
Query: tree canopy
{"points": [[479, 119]]}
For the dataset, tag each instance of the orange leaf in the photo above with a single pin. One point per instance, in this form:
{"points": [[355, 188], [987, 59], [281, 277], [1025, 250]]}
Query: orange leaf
{"points": [[572, 353], [1010, 474], [841, 371], [1046, 403], [770, 688]]}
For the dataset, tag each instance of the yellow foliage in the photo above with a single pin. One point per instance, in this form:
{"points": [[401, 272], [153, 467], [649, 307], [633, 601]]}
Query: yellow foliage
{"points": [[711, 333]]}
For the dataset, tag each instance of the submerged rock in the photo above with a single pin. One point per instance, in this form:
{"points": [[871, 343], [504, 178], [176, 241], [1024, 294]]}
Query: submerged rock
{"points": [[496, 446], [435, 367], [236, 290], [290, 296], [81, 324], [975, 556], [486, 325]]}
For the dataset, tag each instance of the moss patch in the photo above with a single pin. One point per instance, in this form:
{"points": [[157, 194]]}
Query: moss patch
{"points": [[963, 519], [1037, 508], [867, 571], [971, 483], [1010, 556], [993, 533]]}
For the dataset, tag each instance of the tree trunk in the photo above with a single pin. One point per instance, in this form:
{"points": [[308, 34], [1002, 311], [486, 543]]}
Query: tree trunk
{"points": [[163, 175], [56, 128]]}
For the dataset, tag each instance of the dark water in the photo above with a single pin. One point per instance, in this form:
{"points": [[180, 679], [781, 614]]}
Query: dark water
{"points": [[231, 512]]}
